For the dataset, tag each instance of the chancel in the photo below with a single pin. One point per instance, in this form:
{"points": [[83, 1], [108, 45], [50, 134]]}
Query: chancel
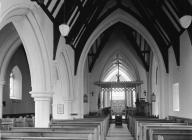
{"points": [[95, 69]]}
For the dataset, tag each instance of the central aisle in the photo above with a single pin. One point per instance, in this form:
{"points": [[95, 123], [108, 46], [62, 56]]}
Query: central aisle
{"points": [[119, 133]]}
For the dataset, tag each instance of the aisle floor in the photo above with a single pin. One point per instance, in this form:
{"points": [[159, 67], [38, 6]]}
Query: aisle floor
{"points": [[119, 133]]}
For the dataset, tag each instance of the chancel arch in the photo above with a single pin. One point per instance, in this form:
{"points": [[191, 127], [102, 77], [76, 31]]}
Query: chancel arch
{"points": [[121, 16], [129, 64]]}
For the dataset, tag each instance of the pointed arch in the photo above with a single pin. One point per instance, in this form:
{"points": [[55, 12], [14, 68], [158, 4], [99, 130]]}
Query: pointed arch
{"points": [[121, 16], [27, 26]]}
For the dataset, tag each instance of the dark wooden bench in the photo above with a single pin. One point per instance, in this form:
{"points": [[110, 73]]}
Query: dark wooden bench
{"points": [[7, 123], [102, 124], [48, 132], [144, 128], [146, 120], [170, 133], [82, 126], [89, 129], [132, 122], [43, 138]]}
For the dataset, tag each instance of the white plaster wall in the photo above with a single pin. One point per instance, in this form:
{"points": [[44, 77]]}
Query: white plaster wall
{"points": [[63, 82], [182, 75], [155, 86], [86, 86]]}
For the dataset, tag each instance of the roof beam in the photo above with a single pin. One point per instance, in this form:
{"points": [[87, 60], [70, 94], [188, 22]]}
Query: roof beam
{"points": [[100, 48], [85, 13], [90, 27], [148, 23], [137, 49]]}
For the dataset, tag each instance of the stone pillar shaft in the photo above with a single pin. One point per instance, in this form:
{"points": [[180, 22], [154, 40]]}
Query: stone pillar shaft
{"points": [[42, 108], [2, 83]]}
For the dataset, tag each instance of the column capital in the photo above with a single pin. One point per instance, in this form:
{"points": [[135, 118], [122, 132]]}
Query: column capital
{"points": [[41, 95]]}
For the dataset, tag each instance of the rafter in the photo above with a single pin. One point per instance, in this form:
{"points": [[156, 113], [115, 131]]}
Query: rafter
{"points": [[85, 13], [160, 17], [137, 49], [90, 27], [104, 40], [149, 24]]}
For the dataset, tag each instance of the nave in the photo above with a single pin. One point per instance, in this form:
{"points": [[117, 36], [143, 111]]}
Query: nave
{"points": [[74, 69], [118, 133], [103, 128]]}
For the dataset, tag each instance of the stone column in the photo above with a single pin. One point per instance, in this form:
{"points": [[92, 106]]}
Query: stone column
{"points": [[111, 96], [104, 100], [129, 98], [2, 83], [108, 98], [42, 108], [125, 90]]}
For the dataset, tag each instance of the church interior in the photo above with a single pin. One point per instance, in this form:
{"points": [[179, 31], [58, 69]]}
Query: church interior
{"points": [[95, 69]]}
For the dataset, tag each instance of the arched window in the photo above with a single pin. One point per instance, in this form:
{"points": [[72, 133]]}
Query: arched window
{"points": [[15, 83], [176, 97]]}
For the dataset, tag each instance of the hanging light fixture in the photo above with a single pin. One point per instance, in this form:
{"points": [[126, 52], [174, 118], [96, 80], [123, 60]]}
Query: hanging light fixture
{"points": [[64, 28], [185, 21]]}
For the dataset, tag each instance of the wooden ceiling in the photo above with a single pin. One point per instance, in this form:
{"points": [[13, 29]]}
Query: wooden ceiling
{"points": [[160, 17]]}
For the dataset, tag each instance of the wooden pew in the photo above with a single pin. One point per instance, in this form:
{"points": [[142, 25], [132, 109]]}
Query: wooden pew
{"points": [[80, 125], [43, 138], [171, 133], [70, 133], [89, 129], [144, 128], [132, 120], [102, 124], [155, 129], [6, 123], [147, 120]]}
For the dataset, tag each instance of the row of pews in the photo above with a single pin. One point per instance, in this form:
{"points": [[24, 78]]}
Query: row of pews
{"points": [[78, 129], [143, 128], [7, 123]]}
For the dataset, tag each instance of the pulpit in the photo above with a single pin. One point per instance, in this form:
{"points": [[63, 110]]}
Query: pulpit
{"points": [[142, 107]]}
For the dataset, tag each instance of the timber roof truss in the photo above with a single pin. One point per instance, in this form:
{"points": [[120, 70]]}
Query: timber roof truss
{"points": [[160, 17]]}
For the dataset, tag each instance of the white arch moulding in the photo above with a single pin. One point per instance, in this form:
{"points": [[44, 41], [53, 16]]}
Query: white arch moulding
{"points": [[22, 17], [63, 87], [122, 16], [7, 50]]}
